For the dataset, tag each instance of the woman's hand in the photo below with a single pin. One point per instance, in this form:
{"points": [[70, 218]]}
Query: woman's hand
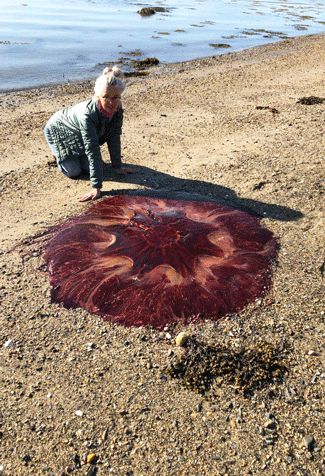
{"points": [[95, 193], [125, 171]]}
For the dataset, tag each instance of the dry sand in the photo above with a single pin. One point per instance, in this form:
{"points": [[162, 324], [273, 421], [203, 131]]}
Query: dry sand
{"points": [[226, 127]]}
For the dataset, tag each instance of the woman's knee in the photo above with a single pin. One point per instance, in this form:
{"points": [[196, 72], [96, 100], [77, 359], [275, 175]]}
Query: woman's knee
{"points": [[70, 168]]}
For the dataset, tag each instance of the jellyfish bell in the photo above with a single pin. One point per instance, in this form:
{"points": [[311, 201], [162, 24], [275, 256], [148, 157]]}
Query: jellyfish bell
{"points": [[138, 260]]}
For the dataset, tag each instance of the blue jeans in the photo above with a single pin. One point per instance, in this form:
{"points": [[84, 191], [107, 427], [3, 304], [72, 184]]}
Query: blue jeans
{"points": [[70, 168]]}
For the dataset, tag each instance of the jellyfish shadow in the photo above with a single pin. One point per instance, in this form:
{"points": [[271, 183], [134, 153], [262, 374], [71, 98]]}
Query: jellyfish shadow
{"points": [[163, 185]]}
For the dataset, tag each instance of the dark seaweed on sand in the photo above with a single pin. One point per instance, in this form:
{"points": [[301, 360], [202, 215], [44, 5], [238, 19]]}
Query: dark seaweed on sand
{"points": [[310, 100], [249, 368]]}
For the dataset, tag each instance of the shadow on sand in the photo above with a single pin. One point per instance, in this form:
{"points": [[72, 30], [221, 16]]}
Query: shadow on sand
{"points": [[162, 185]]}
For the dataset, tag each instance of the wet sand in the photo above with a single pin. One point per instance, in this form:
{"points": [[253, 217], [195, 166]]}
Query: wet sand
{"points": [[227, 127]]}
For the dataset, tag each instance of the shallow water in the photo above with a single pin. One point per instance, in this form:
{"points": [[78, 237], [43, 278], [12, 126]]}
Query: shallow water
{"points": [[43, 43]]}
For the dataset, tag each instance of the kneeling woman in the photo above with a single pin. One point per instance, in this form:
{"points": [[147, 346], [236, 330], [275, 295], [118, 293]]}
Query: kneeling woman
{"points": [[76, 133]]}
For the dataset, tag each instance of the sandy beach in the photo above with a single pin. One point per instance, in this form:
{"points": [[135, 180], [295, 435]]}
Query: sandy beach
{"points": [[231, 128]]}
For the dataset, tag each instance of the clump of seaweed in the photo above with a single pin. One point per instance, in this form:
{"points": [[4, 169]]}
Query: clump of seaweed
{"points": [[264, 33], [135, 73], [310, 100], [269, 108], [199, 365], [145, 63], [149, 11], [220, 45]]}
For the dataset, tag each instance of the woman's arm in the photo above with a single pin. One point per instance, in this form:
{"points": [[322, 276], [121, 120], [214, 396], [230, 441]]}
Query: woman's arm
{"points": [[88, 125], [114, 144], [113, 139]]}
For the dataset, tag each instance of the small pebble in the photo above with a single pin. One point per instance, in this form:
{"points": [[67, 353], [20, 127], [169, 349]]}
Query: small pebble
{"points": [[91, 458], [77, 461], [269, 441], [8, 344], [232, 423], [92, 470], [79, 413], [175, 424], [308, 442], [270, 424], [181, 339], [261, 431], [105, 435], [271, 431]]}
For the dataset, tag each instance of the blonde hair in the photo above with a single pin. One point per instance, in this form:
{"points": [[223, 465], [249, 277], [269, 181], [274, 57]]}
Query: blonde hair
{"points": [[109, 77]]}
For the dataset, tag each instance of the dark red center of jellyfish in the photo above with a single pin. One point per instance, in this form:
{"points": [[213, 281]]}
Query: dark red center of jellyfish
{"points": [[150, 261]]}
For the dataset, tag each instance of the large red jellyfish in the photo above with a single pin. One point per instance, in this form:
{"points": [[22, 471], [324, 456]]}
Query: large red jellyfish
{"points": [[142, 261]]}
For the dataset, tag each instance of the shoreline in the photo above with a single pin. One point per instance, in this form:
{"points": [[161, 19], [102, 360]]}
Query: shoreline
{"points": [[165, 67], [228, 128]]}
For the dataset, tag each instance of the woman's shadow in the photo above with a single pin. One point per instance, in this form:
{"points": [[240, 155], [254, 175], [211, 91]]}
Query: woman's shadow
{"points": [[162, 185]]}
